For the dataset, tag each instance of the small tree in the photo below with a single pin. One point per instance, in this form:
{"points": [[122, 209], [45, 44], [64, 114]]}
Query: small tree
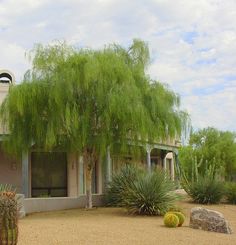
{"points": [[88, 100]]}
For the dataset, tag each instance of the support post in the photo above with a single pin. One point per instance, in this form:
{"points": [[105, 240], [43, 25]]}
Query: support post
{"points": [[149, 167], [164, 163], [99, 173], [25, 174], [109, 167], [172, 171]]}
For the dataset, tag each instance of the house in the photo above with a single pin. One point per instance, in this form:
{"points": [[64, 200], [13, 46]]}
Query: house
{"points": [[46, 187]]}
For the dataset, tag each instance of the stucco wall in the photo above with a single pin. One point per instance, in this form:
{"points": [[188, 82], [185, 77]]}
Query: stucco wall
{"points": [[10, 171], [32, 205], [3, 93], [72, 172]]}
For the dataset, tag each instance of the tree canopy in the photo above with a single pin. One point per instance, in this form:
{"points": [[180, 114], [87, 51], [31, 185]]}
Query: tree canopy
{"points": [[85, 100], [211, 147], [76, 98]]}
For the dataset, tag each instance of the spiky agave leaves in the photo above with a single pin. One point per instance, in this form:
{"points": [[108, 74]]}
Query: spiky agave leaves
{"points": [[142, 192], [206, 190], [120, 184], [151, 194]]}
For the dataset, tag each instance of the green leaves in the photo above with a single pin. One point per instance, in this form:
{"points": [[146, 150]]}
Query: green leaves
{"points": [[206, 191], [79, 98], [141, 192], [231, 192], [214, 148]]}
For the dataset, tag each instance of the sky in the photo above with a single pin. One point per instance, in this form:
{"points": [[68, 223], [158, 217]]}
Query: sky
{"points": [[192, 43]]}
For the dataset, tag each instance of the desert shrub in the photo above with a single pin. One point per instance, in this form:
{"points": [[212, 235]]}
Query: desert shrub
{"points": [[141, 192], [121, 181], [171, 220], [206, 191], [8, 216], [231, 192]]}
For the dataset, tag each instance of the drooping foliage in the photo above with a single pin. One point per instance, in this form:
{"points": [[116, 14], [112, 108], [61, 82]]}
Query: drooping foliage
{"points": [[78, 98], [87, 100]]}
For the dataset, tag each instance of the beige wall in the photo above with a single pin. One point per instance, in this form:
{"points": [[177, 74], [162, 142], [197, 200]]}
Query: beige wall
{"points": [[10, 171], [72, 175], [3, 93], [32, 205]]}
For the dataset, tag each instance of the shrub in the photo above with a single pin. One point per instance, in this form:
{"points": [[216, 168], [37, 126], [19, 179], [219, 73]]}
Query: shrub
{"points": [[231, 192], [180, 216], [8, 216], [121, 181], [171, 220], [206, 191], [143, 193]]}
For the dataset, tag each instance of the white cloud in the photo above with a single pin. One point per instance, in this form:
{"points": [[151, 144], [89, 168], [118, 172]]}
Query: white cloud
{"points": [[193, 43]]}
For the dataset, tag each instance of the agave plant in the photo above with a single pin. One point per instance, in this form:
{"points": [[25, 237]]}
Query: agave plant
{"points": [[142, 192], [121, 181], [206, 191], [151, 194]]}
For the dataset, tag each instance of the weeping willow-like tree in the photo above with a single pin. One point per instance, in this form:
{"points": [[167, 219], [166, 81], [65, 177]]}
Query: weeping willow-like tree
{"points": [[85, 100]]}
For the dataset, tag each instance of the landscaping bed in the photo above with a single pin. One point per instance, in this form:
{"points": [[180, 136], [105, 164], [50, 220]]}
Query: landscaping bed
{"points": [[114, 226]]}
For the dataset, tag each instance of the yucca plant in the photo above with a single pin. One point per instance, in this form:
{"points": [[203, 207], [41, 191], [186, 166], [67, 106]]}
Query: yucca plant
{"points": [[121, 181], [206, 191], [8, 216], [150, 194], [142, 192]]}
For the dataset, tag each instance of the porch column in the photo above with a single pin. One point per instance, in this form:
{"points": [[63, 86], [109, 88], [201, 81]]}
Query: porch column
{"points": [[99, 173], [172, 170], [149, 167], [25, 174], [109, 167], [164, 163]]}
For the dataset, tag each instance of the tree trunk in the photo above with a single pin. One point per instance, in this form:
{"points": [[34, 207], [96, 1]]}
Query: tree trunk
{"points": [[89, 159]]}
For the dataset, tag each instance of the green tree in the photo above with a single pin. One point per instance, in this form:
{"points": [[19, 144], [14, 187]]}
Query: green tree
{"points": [[85, 101], [210, 148]]}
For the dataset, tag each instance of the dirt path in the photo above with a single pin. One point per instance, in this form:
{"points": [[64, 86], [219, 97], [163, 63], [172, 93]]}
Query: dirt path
{"points": [[105, 226]]}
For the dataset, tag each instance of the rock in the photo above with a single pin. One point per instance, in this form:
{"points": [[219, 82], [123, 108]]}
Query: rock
{"points": [[20, 204], [181, 192], [209, 220]]}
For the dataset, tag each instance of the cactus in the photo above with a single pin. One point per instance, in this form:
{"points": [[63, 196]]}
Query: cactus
{"points": [[8, 218], [180, 216], [171, 220]]}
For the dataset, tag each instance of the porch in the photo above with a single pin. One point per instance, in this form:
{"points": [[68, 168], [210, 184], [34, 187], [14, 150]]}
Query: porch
{"points": [[47, 187]]}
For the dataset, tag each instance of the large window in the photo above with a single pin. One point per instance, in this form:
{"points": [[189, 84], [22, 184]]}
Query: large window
{"points": [[49, 174]]}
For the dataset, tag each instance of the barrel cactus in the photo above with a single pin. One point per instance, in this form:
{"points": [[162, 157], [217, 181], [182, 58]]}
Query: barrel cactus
{"points": [[8, 218], [171, 220], [180, 216]]}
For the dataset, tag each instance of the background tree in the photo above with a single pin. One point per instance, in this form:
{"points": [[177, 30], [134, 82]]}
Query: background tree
{"points": [[84, 100], [210, 147]]}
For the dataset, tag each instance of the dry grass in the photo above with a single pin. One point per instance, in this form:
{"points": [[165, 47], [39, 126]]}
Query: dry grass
{"points": [[114, 226]]}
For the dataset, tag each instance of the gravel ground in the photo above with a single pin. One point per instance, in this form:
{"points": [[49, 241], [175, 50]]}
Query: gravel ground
{"points": [[113, 226]]}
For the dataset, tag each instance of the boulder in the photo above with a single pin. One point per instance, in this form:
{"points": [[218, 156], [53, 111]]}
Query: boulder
{"points": [[209, 220]]}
